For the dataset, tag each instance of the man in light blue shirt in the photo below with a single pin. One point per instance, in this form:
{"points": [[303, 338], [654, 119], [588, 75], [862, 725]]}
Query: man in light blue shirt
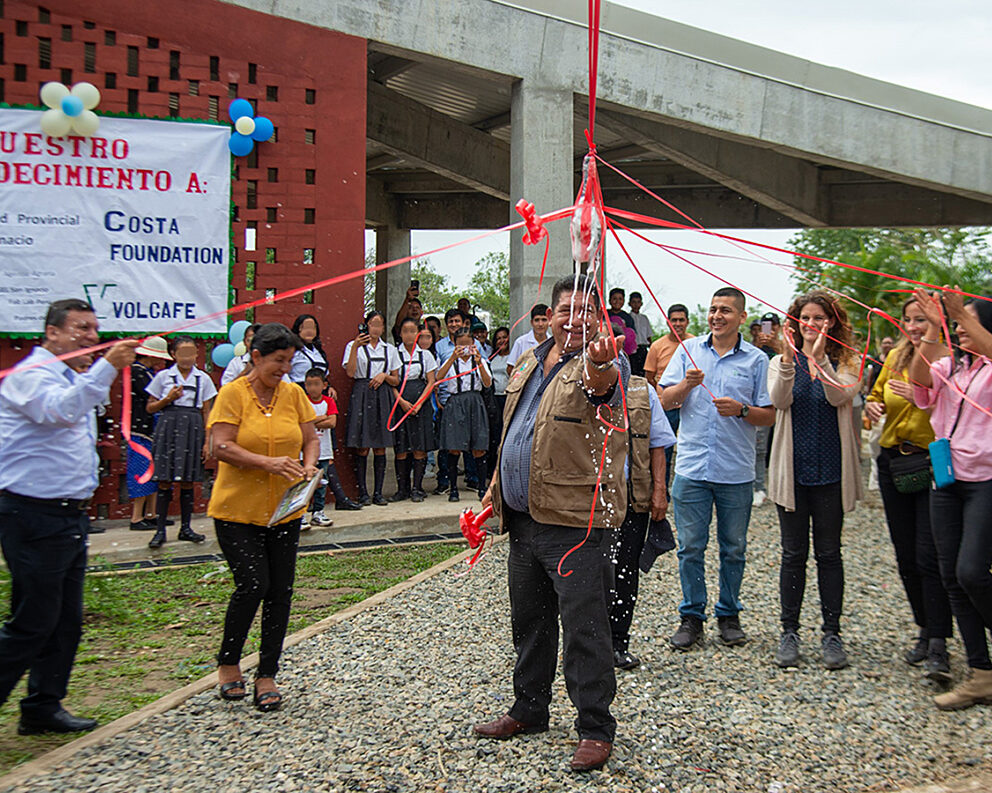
{"points": [[48, 471], [715, 461]]}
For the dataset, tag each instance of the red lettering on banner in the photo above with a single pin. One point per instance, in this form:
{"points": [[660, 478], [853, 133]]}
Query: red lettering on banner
{"points": [[4, 172], [32, 141], [163, 181], [119, 152], [22, 173], [98, 148], [144, 173], [8, 141], [76, 141], [124, 179], [193, 186], [72, 173], [37, 171], [54, 147], [105, 178]]}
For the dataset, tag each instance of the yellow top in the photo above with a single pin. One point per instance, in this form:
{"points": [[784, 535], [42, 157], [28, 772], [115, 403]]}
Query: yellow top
{"points": [[251, 495], [903, 420]]}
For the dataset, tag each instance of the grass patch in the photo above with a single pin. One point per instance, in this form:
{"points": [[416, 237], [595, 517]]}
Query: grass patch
{"points": [[150, 632]]}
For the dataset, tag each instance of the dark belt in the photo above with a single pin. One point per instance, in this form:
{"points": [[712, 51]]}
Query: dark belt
{"points": [[73, 504]]}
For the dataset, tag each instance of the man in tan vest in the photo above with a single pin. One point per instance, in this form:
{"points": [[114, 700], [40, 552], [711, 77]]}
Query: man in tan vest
{"points": [[543, 492]]}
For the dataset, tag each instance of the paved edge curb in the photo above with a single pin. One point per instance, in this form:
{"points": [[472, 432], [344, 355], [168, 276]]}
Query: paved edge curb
{"points": [[49, 760]]}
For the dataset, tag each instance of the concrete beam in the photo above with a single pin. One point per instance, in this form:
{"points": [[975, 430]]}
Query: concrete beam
{"points": [[381, 161], [788, 185], [451, 211], [894, 204], [380, 206], [391, 284], [432, 140], [541, 143], [654, 67]]}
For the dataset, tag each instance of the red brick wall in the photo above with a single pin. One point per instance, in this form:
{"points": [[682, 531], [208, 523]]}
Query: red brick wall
{"points": [[310, 82]]}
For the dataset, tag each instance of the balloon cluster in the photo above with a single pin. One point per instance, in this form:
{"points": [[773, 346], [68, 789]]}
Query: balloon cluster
{"points": [[223, 354], [248, 128], [69, 109]]}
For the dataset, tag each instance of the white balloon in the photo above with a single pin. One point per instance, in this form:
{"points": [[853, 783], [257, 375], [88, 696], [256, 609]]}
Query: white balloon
{"points": [[53, 93], [87, 92], [245, 125], [55, 123], [86, 123], [240, 349]]}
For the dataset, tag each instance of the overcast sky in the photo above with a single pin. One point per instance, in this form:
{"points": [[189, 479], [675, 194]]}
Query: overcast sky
{"points": [[940, 48]]}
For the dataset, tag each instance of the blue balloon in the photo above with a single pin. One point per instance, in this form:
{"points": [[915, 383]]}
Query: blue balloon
{"points": [[263, 129], [239, 108], [222, 354], [72, 106], [240, 145], [237, 331]]}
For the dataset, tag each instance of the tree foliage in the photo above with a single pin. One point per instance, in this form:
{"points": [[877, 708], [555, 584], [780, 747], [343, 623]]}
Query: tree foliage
{"points": [[935, 255], [489, 287], [436, 293]]}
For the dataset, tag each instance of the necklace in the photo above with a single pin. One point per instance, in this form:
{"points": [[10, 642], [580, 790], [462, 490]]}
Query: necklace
{"points": [[266, 409]]}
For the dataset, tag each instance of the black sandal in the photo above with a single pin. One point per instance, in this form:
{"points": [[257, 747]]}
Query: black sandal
{"points": [[227, 688], [267, 701]]}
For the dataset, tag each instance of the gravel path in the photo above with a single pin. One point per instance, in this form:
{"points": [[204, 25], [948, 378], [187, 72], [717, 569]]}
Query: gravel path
{"points": [[386, 700]]}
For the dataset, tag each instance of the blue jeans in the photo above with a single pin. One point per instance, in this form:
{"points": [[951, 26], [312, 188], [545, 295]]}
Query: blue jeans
{"points": [[693, 502], [320, 494]]}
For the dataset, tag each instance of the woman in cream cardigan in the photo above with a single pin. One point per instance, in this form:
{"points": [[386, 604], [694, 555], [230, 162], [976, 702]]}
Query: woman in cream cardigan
{"points": [[814, 473]]}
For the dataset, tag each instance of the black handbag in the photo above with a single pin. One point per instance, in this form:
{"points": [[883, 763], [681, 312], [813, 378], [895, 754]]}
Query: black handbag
{"points": [[910, 472]]}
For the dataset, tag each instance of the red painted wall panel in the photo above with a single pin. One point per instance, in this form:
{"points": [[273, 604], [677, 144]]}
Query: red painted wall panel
{"points": [[288, 56]]}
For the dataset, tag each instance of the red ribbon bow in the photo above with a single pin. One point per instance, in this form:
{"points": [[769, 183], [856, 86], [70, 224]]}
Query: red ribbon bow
{"points": [[535, 224]]}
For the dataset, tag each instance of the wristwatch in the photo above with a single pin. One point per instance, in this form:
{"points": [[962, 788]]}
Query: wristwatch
{"points": [[744, 411]]}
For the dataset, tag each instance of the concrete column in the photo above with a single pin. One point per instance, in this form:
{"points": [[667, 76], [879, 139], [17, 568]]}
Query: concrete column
{"points": [[391, 284], [541, 171]]}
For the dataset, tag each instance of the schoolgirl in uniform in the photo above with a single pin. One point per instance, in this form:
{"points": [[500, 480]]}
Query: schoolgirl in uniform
{"points": [[464, 421], [183, 394], [415, 436], [311, 354], [372, 363]]}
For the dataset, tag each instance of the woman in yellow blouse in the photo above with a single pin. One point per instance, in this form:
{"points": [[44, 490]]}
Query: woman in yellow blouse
{"points": [[907, 433], [260, 428]]}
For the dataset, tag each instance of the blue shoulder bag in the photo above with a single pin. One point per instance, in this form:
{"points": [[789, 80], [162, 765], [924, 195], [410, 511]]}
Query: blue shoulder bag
{"points": [[940, 449]]}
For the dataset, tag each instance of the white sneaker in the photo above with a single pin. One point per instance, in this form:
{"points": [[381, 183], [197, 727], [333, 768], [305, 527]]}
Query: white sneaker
{"points": [[759, 498], [320, 519], [305, 521]]}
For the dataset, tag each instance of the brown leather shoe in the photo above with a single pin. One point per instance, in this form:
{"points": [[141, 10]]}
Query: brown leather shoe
{"points": [[590, 755], [506, 727]]}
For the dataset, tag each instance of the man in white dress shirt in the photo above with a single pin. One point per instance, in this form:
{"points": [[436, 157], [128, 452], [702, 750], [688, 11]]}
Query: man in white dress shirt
{"points": [[48, 471], [537, 334]]}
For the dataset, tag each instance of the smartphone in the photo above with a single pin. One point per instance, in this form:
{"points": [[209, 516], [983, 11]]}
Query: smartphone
{"points": [[415, 284], [766, 326], [363, 329]]}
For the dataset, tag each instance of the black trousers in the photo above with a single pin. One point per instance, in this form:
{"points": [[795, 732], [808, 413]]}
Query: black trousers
{"points": [[45, 551], [538, 597], [637, 359], [627, 549], [263, 561], [821, 506], [908, 516], [961, 516]]}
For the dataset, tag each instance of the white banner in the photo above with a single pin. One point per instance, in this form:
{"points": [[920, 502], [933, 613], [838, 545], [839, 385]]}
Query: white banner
{"points": [[135, 219]]}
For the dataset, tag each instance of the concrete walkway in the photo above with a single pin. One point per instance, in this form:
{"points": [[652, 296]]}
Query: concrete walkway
{"points": [[435, 518]]}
